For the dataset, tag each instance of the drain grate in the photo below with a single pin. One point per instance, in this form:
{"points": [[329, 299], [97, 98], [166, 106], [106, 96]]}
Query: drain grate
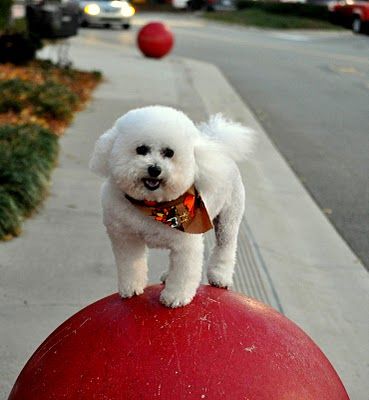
{"points": [[251, 274]]}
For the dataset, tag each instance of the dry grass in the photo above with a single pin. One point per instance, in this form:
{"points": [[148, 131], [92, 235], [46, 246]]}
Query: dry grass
{"points": [[80, 83]]}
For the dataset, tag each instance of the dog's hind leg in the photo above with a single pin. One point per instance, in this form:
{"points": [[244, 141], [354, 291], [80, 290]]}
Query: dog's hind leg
{"points": [[184, 273], [131, 260], [223, 257]]}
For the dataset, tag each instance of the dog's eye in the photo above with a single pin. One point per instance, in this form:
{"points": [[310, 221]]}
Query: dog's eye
{"points": [[143, 150], [169, 153]]}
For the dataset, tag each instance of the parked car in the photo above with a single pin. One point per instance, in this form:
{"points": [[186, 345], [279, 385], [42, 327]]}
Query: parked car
{"points": [[351, 13], [106, 13]]}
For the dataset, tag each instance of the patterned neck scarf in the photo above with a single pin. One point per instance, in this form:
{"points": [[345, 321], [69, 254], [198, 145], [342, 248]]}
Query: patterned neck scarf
{"points": [[187, 213]]}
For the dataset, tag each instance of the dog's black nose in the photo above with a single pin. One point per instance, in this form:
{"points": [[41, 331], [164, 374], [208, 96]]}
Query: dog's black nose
{"points": [[154, 171]]}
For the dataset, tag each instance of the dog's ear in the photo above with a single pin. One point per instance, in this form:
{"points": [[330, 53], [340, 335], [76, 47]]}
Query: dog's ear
{"points": [[99, 162]]}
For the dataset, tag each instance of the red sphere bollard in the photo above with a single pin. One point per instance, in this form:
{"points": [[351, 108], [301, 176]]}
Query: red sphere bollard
{"points": [[221, 346], [155, 40]]}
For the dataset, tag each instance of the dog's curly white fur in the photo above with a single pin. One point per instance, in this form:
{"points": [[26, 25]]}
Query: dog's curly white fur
{"points": [[182, 154]]}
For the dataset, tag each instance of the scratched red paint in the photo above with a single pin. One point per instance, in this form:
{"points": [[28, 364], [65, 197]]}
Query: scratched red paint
{"points": [[221, 346]]}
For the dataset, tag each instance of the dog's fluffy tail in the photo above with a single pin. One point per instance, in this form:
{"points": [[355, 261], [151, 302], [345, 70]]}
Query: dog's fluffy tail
{"points": [[236, 140]]}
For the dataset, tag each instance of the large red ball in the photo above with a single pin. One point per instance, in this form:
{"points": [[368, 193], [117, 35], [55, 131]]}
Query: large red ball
{"points": [[221, 346], [155, 40]]}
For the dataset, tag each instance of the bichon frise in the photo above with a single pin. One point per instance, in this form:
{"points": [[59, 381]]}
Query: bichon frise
{"points": [[167, 182]]}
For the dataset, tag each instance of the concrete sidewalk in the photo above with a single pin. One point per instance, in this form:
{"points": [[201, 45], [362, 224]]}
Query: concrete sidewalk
{"points": [[289, 254]]}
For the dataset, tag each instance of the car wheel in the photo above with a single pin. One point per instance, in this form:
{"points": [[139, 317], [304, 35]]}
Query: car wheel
{"points": [[126, 26], [84, 24], [357, 25]]}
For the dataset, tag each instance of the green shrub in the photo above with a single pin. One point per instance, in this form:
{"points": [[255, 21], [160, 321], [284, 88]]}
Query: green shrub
{"points": [[49, 99], [27, 155], [18, 25], [293, 9], [45, 65], [243, 4], [55, 100], [4, 13], [97, 74], [10, 216], [15, 94], [18, 47]]}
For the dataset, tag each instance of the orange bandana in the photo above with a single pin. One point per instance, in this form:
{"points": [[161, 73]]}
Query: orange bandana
{"points": [[187, 213]]}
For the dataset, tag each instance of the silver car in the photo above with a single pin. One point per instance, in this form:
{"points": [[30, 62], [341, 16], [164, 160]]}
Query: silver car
{"points": [[106, 13]]}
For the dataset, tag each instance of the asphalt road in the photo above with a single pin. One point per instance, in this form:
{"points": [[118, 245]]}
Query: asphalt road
{"points": [[310, 91]]}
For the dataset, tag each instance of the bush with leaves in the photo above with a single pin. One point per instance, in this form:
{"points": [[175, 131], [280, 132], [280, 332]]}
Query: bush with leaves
{"points": [[50, 99], [15, 94], [55, 100], [17, 44], [292, 9], [5, 9], [18, 47], [27, 155]]}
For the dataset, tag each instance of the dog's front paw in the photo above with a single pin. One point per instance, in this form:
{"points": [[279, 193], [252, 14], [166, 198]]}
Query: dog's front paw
{"points": [[219, 279], [131, 289], [174, 300]]}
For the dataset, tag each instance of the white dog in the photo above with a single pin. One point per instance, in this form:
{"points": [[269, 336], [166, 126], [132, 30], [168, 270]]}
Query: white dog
{"points": [[167, 182]]}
